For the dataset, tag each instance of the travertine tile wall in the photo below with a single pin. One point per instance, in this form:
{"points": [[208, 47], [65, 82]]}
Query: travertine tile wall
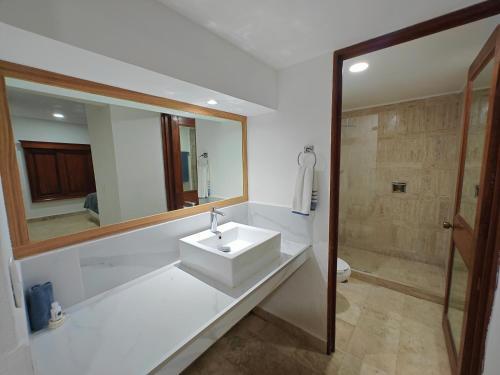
{"points": [[416, 142]]}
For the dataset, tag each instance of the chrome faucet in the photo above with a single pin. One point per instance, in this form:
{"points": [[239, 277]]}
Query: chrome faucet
{"points": [[213, 221]]}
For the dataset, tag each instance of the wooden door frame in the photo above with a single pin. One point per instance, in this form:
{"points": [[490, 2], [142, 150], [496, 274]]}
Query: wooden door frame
{"points": [[172, 160], [189, 123], [481, 255], [168, 161], [9, 172], [457, 18]]}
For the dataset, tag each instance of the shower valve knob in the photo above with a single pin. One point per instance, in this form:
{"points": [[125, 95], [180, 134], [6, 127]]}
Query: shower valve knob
{"points": [[447, 225]]}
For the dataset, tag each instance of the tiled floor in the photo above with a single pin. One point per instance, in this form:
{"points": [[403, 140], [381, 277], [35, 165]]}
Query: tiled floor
{"points": [[60, 225], [379, 331], [428, 277]]}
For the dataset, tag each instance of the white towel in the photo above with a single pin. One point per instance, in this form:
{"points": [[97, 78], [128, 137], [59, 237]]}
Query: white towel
{"points": [[203, 178], [314, 197], [302, 198]]}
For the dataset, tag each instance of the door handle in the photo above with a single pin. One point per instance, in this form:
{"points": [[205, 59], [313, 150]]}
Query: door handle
{"points": [[447, 224]]}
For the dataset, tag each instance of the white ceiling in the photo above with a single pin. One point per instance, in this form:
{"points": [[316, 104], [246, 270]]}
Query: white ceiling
{"points": [[428, 66], [39, 101], [28, 104], [285, 32]]}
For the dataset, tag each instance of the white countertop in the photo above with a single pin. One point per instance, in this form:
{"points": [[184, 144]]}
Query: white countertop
{"points": [[135, 327]]}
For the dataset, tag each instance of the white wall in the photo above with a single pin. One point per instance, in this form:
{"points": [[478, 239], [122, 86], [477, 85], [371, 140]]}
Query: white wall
{"points": [[492, 359], [15, 357], [274, 140], [127, 154], [149, 35], [139, 162], [29, 129], [104, 162], [222, 142]]}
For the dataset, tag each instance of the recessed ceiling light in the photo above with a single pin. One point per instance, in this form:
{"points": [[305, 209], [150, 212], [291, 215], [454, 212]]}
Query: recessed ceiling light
{"points": [[358, 67], [58, 115], [212, 102]]}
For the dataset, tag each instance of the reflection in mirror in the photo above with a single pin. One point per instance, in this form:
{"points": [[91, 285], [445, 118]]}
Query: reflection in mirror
{"points": [[478, 117], [188, 158], [87, 160], [198, 169], [458, 292]]}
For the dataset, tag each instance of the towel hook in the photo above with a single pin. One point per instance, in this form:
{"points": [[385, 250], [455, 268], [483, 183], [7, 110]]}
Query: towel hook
{"points": [[307, 150]]}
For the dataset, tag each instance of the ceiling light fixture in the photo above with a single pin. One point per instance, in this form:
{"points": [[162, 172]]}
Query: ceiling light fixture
{"points": [[212, 102], [58, 115], [358, 67]]}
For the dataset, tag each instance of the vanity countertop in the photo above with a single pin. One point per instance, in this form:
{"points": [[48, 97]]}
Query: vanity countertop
{"points": [[137, 326]]}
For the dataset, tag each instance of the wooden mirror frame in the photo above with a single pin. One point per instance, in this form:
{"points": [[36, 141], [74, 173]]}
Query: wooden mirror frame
{"points": [[9, 171], [460, 17]]}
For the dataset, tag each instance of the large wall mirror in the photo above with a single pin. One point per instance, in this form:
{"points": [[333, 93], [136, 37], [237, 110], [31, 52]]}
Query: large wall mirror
{"points": [[87, 161]]}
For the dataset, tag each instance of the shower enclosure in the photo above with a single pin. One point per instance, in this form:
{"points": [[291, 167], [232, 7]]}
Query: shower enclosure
{"points": [[397, 185]]}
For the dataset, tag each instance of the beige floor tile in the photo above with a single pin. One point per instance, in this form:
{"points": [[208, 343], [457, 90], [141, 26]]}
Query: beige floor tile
{"points": [[348, 311], [251, 325], [351, 298], [60, 225], [392, 334], [387, 301], [420, 339], [259, 357], [379, 322], [278, 338], [416, 364], [319, 363], [427, 277], [355, 366], [215, 366], [425, 312], [377, 351], [366, 261], [376, 340], [344, 332], [355, 290]]}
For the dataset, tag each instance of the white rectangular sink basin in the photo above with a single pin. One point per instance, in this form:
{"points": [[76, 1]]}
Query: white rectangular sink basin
{"points": [[241, 252]]}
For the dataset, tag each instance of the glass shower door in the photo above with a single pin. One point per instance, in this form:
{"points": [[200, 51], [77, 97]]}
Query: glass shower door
{"points": [[475, 190]]}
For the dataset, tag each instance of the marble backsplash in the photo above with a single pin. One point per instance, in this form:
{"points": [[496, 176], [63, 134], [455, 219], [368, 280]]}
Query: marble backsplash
{"points": [[84, 270]]}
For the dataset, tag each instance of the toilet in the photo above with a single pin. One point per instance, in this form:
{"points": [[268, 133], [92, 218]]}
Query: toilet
{"points": [[343, 271]]}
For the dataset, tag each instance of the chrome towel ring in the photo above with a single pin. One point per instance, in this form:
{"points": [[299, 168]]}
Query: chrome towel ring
{"points": [[307, 150]]}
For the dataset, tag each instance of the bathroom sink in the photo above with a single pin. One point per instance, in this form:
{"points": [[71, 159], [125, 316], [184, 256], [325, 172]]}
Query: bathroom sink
{"points": [[240, 252]]}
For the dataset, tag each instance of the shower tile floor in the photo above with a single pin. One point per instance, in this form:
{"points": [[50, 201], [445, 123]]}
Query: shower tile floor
{"points": [[379, 331], [427, 277]]}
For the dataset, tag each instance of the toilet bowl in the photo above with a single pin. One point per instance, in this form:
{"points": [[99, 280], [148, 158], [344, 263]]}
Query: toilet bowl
{"points": [[343, 271]]}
